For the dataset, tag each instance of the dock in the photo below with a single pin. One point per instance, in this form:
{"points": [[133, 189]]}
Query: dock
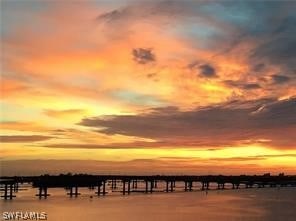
{"points": [[127, 184]]}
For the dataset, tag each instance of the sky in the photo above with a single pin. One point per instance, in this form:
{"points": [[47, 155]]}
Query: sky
{"points": [[148, 87]]}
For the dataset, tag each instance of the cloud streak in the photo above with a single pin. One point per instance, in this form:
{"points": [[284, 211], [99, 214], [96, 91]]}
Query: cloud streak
{"points": [[232, 123], [23, 138], [280, 79]]}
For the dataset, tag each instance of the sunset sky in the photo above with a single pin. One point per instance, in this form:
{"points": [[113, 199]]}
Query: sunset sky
{"points": [[168, 87]]}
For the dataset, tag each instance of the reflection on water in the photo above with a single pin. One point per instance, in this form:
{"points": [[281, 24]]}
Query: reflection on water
{"points": [[269, 204]]}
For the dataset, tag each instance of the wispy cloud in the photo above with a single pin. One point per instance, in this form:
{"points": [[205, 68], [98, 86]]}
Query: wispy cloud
{"points": [[143, 55], [64, 113], [207, 70], [242, 85], [23, 138], [280, 79]]}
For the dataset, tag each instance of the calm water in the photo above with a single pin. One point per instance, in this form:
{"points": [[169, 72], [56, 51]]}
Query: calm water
{"points": [[267, 204]]}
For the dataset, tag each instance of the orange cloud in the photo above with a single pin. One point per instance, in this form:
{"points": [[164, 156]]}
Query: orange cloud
{"points": [[147, 75]]}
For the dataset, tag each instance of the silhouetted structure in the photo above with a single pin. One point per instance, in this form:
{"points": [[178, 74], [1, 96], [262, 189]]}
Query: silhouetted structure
{"points": [[9, 186], [130, 183]]}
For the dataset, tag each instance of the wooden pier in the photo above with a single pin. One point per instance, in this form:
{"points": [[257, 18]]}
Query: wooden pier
{"points": [[9, 186], [141, 184]]}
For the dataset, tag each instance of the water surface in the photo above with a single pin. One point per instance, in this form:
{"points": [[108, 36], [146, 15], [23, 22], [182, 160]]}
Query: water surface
{"points": [[268, 204]]}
